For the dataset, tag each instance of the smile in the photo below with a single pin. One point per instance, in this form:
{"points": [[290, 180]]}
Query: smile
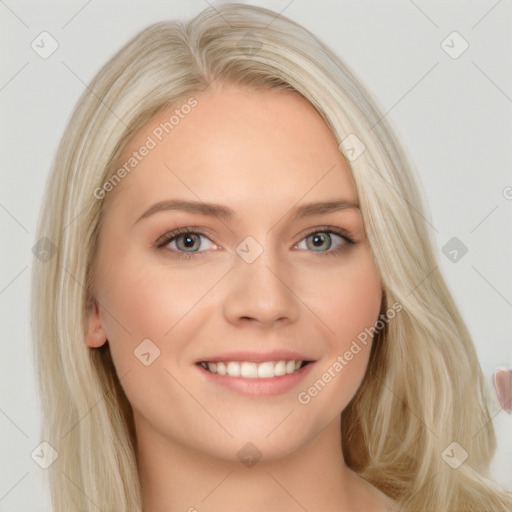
{"points": [[251, 370]]}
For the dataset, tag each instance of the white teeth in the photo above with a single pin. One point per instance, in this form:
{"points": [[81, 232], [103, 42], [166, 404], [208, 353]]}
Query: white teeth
{"points": [[266, 370], [290, 366], [233, 369], [280, 369], [250, 370]]}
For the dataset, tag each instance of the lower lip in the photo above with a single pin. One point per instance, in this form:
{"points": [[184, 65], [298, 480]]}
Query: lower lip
{"points": [[259, 387]]}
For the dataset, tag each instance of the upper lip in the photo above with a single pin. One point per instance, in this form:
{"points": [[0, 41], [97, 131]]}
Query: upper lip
{"points": [[256, 357]]}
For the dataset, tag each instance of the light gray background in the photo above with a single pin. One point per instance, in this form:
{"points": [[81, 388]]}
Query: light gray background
{"points": [[452, 115]]}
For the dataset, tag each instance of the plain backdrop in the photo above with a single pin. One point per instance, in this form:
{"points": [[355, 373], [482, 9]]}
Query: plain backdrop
{"points": [[452, 113]]}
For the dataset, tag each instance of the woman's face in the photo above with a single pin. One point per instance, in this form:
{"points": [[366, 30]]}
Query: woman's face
{"points": [[266, 283]]}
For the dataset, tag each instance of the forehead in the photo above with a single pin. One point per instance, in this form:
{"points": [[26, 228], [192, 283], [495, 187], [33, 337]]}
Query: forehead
{"points": [[238, 146]]}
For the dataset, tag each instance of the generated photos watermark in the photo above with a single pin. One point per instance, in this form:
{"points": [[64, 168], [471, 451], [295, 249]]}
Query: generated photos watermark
{"points": [[157, 135], [342, 360]]}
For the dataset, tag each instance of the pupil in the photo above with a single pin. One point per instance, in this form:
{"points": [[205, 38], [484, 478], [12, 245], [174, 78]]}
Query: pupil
{"points": [[188, 241], [318, 240]]}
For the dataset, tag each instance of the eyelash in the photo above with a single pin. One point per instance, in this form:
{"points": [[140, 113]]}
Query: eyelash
{"points": [[163, 240]]}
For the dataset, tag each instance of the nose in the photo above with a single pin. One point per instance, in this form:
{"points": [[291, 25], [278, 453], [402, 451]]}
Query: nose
{"points": [[261, 292]]}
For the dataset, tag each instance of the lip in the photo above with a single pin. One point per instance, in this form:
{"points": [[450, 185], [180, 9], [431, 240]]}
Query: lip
{"points": [[271, 386], [257, 357]]}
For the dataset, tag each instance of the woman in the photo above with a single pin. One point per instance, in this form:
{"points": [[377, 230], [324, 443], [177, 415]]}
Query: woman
{"points": [[242, 273]]}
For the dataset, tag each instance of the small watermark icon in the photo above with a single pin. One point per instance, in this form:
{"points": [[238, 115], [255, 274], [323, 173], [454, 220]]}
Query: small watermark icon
{"points": [[249, 44], [249, 249], [44, 249], [454, 249], [249, 455], [454, 455], [44, 45], [454, 45], [352, 147], [147, 352], [44, 455]]}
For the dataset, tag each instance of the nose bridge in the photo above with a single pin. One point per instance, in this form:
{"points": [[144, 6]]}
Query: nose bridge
{"points": [[259, 264], [259, 285]]}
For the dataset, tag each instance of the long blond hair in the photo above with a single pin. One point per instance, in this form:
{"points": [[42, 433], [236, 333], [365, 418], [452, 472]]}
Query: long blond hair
{"points": [[423, 388]]}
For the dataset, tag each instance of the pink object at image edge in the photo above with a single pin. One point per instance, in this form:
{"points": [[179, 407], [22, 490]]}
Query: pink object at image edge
{"points": [[503, 387]]}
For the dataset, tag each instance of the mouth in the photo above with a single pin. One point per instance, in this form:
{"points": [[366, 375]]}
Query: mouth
{"points": [[252, 370]]}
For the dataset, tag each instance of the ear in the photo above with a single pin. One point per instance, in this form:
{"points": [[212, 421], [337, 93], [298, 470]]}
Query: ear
{"points": [[95, 335]]}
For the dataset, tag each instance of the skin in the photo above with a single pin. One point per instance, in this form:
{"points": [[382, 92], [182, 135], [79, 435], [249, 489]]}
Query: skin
{"points": [[261, 153]]}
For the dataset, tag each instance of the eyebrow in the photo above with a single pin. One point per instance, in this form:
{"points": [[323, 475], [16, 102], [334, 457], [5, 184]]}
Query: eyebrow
{"points": [[217, 210]]}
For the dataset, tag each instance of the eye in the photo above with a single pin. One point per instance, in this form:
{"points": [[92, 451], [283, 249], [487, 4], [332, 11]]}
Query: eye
{"points": [[184, 242], [321, 240]]}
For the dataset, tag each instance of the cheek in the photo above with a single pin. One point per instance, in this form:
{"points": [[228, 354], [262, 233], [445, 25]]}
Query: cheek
{"points": [[134, 307], [143, 300], [348, 300], [348, 307]]}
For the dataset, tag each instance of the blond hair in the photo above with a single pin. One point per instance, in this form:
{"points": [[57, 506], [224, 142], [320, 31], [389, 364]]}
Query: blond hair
{"points": [[423, 388]]}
